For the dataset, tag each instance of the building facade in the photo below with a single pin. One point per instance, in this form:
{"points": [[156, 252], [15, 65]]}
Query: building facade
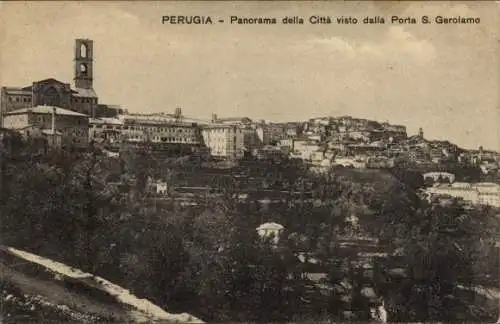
{"points": [[224, 141], [105, 128], [271, 134], [476, 193], [159, 129], [66, 127]]}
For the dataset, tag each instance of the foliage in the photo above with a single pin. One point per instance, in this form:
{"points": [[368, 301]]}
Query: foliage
{"points": [[210, 262]]}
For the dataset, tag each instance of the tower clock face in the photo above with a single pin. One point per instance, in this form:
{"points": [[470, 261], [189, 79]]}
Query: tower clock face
{"points": [[83, 69]]}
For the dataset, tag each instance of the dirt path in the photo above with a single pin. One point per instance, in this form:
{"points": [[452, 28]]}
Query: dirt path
{"points": [[58, 294]]}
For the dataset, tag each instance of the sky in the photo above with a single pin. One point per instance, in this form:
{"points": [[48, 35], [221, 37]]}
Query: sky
{"points": [[443, 78]]}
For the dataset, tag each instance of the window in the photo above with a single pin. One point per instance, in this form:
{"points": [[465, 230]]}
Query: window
{"points": [[83, 50], [51, 97]]}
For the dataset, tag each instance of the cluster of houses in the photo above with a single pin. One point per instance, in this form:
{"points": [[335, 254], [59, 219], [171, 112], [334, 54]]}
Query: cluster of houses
{"points": [[58, 114], [65, 114], [320, 142]]}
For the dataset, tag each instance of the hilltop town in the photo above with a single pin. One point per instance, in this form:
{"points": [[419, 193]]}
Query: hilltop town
{"points": [[55, 114], [333, 218]]}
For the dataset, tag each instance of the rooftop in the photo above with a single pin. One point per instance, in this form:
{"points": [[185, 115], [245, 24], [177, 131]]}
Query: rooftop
{"points": [[85, 93], [112, 121], [51, 132], [209, 126], [270, 226], [17, 91], [45, 110]]}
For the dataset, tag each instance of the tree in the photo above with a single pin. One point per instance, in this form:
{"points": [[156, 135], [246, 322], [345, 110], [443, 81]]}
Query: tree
{"points": [[441, 251]]}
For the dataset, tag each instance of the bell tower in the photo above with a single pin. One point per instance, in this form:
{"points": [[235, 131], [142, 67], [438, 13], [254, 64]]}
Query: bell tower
{"points": [[84, 57]]}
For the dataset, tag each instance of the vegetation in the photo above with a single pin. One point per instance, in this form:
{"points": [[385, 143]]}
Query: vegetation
{"points": [[209, 260]]}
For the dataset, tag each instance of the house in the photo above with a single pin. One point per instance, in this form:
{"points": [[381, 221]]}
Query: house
{"points": [[161, 188], [482, 193], [350, 162], [270, 230], [106, 128], [70, 126], [435, 176], [305, 148]]}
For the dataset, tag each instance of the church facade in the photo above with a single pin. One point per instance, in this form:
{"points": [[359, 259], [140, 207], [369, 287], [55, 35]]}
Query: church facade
{"points": [[81, 98]]}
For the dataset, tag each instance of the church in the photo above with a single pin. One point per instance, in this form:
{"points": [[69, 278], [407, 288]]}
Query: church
{"points": [[81, 98]]}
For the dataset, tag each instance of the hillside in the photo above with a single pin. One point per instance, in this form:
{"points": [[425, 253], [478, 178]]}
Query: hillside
{"points": [[39, 289]]}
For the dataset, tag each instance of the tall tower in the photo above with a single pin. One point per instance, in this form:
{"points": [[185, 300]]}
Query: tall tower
{"points": [[84, 57], [420, 132]]}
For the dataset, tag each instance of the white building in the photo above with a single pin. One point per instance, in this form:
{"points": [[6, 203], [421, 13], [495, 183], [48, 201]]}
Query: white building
{"points": [[108, 128], [435, 176], [158, 129], [270, 230], [305, 148], [489, 193], [161, 188], [224, 141], [350, 162], [482, 193]]}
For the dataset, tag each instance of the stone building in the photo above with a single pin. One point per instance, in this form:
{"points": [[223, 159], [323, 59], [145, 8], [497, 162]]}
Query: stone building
{"points": [[224, 141], [51, 92], [58, 125], [159, 129]]}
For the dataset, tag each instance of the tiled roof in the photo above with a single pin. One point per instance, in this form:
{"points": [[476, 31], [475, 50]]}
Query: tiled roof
{"points": [[216, 125], [45, 110], [104, 120], [85, 93], [270, 226], [17, 91]]}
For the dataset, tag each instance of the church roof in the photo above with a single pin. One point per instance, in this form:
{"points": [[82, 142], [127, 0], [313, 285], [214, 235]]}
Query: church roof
{"points": [[45, 110], [84, 93], [44, 81]]}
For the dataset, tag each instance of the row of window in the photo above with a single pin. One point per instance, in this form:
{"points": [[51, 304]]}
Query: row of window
{"points": [[48, 119], [105, 126], [160, 129], [224, 130], [84, 100], [173, 139], [19, 99], [139, 128], [163, 139], [74, 99]]}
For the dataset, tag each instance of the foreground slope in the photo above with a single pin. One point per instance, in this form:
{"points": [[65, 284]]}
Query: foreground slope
{"points": [[37, 288]]}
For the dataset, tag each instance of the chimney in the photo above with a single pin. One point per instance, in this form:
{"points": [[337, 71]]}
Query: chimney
{"points": [[53, 120]]}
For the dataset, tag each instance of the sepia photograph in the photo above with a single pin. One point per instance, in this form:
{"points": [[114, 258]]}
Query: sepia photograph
{"points": [[249, 161]]}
